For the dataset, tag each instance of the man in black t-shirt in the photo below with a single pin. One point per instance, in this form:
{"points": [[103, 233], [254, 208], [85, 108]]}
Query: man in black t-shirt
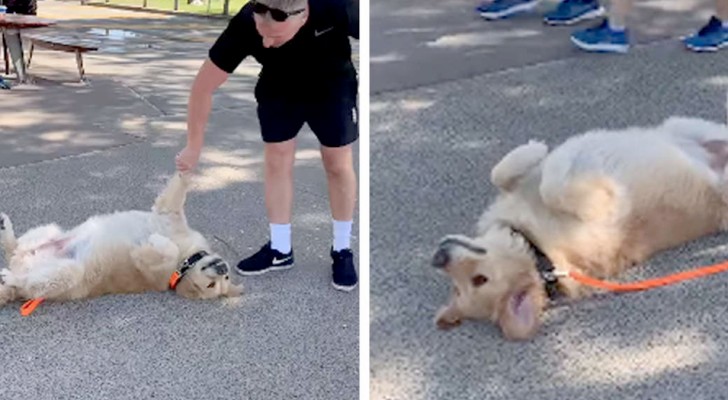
{"points": [[308, 77]]}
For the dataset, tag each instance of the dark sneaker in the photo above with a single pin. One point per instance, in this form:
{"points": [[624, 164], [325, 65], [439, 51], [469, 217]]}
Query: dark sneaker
{"points": [[498, 9], [572, 11], [711, 37], [266, 259], [601, 39], [344, 273]]}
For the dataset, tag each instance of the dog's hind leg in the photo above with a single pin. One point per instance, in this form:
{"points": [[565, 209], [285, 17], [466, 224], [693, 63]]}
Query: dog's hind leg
{"points": [[514, 165], [172, 199], [49, 280], [591, 197], [7, 236]]}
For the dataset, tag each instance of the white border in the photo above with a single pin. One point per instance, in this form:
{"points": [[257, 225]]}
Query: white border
{"points": [[364, 134]]}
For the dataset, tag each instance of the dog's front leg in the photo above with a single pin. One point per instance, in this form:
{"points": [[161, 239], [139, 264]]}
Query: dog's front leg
{"points": [[7, 236], [172, 199], [159, 255]]}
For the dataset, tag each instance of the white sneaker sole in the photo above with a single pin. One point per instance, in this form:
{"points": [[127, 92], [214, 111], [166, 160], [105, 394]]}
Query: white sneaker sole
{"points": [[344, 288], [610, 48], [590, 15], [706, 49], [263, 271], [513, 10]]}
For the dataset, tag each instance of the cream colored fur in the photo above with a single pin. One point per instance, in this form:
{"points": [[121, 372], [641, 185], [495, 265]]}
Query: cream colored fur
{"points": [[123, 252], [598, 203]]}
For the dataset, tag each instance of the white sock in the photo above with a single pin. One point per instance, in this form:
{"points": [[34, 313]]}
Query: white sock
{"points": [[342, 235], [616, 28], [280, 237]]}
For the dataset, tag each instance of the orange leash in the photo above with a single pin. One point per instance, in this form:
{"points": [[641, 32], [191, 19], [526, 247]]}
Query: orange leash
{"points": [[649, 283], [29, 306]]}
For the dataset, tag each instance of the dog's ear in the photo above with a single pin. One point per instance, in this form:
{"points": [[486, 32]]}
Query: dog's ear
{"points": [[449, 316], [516, 164], [234, 291], [519, 315]]}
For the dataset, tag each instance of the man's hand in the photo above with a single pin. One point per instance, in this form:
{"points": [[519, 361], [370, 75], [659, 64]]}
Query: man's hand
{"points": [[187, 159]]}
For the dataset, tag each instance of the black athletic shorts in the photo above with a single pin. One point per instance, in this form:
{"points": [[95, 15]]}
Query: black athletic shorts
{"points": [[333, 119]]}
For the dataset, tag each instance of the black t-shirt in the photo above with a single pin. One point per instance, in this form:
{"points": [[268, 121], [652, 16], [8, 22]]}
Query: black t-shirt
{"points": [[317, 61]]}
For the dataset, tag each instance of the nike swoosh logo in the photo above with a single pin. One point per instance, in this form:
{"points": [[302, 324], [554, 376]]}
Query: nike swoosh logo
{"points": [[319, 33], [277, 261]]}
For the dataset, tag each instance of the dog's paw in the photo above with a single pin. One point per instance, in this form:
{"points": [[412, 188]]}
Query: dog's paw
{"points": [[185, 178]]}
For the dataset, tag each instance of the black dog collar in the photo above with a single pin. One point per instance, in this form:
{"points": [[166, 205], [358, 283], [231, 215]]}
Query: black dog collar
{"points": [[184, 267], [543, 265], [190, 261]]}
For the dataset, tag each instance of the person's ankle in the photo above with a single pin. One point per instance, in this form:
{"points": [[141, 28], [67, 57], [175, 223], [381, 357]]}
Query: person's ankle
{"points": [[615, 27]]}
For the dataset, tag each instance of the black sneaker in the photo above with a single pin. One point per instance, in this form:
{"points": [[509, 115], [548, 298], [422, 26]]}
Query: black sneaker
{"points": [[266, 259], [344, 273]]}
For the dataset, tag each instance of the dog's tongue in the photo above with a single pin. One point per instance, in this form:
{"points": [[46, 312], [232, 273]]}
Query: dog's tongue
{"points": [[522, 307]]}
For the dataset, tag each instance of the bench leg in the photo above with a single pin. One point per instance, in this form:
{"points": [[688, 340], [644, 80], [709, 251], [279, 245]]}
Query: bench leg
{"points": [[30, 56], [14, 41], [6, 56], [79, 62]]}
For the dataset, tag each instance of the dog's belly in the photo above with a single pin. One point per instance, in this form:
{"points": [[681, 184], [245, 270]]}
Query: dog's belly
{"points": [[121, 230], [668, 226]]}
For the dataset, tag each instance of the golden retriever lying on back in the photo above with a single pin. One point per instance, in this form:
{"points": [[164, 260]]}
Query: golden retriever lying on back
{"points": [[599, 203], [125, 252]]}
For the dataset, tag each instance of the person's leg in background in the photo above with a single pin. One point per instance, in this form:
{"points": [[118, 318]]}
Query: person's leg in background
{"points": [[714, 35], [611, 35]]}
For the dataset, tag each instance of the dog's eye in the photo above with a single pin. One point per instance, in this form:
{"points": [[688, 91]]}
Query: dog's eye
{"points": [[227, 278], [479, 280], [211, 285]]}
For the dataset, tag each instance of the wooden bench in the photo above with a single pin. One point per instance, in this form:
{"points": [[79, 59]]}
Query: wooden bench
{"points": [[60, 43]]}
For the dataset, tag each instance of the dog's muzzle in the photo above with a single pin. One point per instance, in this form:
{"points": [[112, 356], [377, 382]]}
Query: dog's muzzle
{"points": [[220, 266], [443, 255]]}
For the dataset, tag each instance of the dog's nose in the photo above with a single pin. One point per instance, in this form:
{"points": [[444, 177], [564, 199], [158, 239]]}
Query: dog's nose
{"points": [[221, 269], [441, 257]]}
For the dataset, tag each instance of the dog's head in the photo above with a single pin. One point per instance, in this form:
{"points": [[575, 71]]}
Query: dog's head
{"points": [[494, 278], [206, 276]]}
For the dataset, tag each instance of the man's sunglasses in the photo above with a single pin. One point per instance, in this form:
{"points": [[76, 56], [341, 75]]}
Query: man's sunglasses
{"points": [[276, 14]]}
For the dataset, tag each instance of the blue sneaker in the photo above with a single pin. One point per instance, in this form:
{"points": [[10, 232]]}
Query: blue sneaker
{"points": [[503, 8], [601, 38], [572, 11], [711, 37]]}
